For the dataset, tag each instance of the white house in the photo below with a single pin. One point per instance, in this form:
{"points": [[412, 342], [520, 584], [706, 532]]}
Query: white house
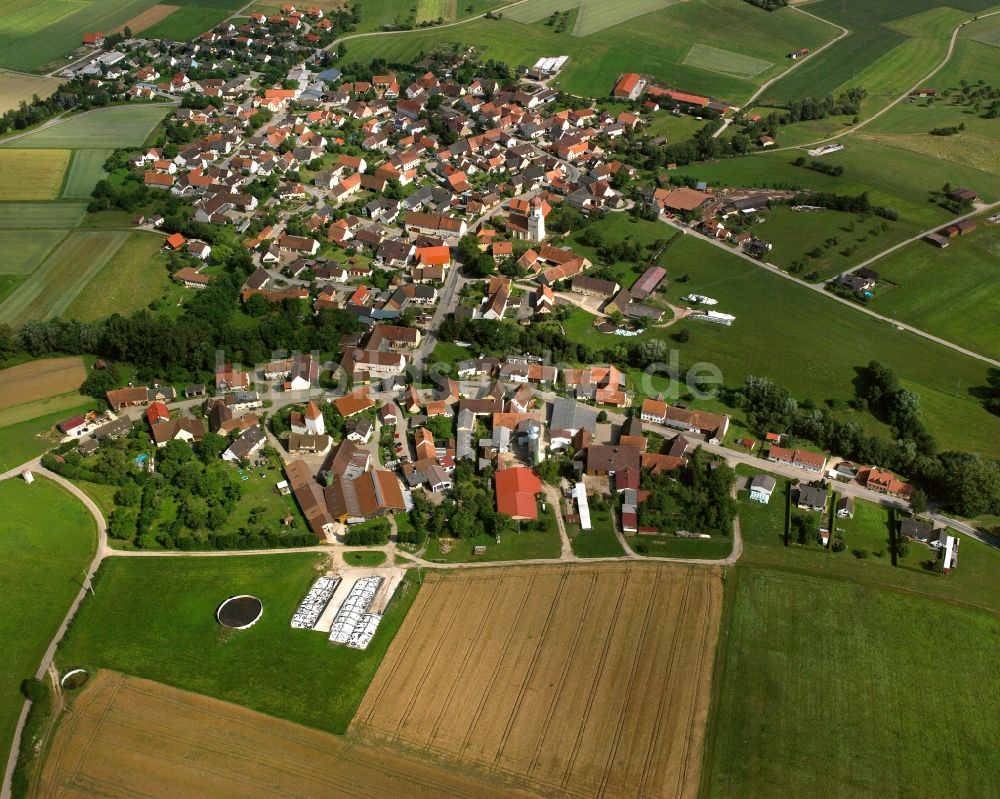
{"points": [[761, 488]]}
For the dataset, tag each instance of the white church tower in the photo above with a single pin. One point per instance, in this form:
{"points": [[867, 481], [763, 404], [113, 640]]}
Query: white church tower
{"points": [[536, 221], [315, 423]]}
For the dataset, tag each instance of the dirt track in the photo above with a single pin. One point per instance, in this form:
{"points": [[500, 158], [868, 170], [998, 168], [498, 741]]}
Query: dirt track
{"points": [[127, 737], [36, 380], [577, 681]]}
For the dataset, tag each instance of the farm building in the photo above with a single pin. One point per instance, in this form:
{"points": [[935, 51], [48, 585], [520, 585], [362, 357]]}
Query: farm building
{"points": [[516, 489]]}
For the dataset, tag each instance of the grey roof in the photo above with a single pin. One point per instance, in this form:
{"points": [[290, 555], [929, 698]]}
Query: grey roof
{"points": [[812, 496], [242, 447], [764, 482], [569, 414]]}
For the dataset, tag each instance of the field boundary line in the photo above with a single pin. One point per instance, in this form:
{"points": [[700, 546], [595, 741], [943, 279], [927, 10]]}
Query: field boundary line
{"points": [[564, 782], [564, 674], [466, 660], [503, 654], [653, 738], [531, 666]]}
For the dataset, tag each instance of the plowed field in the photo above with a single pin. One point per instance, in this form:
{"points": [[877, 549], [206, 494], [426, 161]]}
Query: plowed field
{"points": [[576, 681], [126, 737]]}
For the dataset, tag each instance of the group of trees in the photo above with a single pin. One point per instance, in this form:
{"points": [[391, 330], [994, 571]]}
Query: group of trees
{"points": [[834, 170], [852, 204], [77, 94], [468, 512], [965, 483], [699, 500], [183, 349], [192, 480]]}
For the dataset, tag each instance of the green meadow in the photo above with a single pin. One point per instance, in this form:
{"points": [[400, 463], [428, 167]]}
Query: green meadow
{"points": [[46, 542], [176, 639], [826, 688]]}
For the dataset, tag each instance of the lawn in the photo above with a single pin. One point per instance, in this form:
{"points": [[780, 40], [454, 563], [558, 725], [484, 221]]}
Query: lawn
{"points": [[26, 431], [893, 176], [16, 87], [363, 557], [24, 250], [821, 342], [131, 279], [830, 689], [526, 545], [86, 168], [972, 583], [46, 542], [843, 239], [105, 128], [58, 281], [36, 175], [669, 546], [176, 639], [598, 542], [31, 216], [953, 292], [639, 44]]}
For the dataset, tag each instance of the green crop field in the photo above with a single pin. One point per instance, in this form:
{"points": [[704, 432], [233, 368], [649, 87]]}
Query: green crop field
{"points": [[635, 45], [715, 59], [26, 176], [62, 276], [34, 34], [192, 19], [34, 216], [176, 639], [824, 688], [46, 541], [892, 43], [24, 250], [86, 168], [821, 342], [952, 292], [106, 128], [131, 279], [37, 35]]}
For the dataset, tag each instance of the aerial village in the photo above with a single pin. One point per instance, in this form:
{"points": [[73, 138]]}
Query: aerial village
{"points": [[371, 197]]}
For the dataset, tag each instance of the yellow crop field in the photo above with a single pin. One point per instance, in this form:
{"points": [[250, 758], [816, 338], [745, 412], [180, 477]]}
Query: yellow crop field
{"points": [[574, 681], [35, 175]]}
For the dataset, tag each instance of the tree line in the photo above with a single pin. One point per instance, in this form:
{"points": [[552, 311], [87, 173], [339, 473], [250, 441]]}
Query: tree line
{"points": [[965, 483]]}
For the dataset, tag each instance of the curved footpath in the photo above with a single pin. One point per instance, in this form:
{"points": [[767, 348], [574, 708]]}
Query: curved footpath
{"points": [[48, 657]]}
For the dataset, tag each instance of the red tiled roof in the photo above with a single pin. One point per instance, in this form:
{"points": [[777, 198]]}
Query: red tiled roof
{"points": [[516, 489]]}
